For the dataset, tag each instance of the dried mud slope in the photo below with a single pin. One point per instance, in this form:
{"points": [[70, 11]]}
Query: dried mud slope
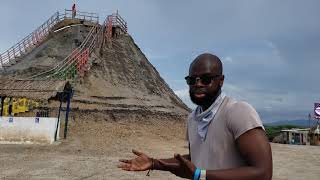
{"points": [[122, 78]]}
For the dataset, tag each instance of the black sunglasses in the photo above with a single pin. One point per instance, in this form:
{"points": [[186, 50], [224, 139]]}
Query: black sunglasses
{"points": [[205, 79]]}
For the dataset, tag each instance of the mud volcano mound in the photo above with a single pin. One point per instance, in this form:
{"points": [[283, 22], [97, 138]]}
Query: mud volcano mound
{"points": [[119, 80]]}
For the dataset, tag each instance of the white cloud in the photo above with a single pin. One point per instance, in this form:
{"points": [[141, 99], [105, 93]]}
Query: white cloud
{"points": [[183, 94], [227, 59], [272, 105], [274, 49], [263, 101]]}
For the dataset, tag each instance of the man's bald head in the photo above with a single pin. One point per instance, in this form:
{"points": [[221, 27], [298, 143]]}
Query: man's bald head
{"points": [[209, 61], [205, 79]]}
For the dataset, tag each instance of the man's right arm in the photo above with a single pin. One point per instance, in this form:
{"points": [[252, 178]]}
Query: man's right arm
{"points": [[142, 162], [173, 165], [166, 164]]}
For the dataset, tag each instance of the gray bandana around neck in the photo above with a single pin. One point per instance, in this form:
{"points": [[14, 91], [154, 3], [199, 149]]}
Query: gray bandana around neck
{"points": [[204, 118]]}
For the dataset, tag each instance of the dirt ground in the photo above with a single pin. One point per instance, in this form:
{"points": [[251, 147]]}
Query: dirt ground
{"points": [[94, 146]]}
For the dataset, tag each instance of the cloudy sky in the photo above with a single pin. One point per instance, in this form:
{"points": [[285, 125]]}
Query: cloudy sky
{"points": [[270, 49]]}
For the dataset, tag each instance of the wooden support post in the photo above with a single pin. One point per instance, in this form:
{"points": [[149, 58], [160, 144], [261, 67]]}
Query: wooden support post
{"points": [[24, 46], [47, 27], [1, 61], [36, 36], [14, 53], [20, 52], [40, 34], [33, 39], [8, 56], [2, 101]]}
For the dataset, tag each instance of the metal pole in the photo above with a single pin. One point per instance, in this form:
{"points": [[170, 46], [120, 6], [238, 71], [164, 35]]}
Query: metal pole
{"points": [[58, 122], [309, 121], [67, 115]]}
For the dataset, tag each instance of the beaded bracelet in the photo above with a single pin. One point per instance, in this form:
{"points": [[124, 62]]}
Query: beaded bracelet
{"points": [[152, 167]]}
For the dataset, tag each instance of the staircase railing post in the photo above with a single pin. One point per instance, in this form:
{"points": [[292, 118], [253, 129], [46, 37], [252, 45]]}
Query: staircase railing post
{"points": [[1, 61], [8, 55], [58, 17], [20, 49], [14, 53], [24, 45], [47, 27]]}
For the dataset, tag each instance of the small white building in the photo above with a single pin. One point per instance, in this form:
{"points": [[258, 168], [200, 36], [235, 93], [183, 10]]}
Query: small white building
{"points": [[295, 136]]}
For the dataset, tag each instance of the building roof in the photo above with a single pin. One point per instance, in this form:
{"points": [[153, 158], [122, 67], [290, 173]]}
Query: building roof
{"points": [[296, 130], [34, 89]]}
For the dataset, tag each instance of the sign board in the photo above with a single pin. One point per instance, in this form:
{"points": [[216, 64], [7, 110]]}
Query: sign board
{"points": [[37, 120], [317, 110]]}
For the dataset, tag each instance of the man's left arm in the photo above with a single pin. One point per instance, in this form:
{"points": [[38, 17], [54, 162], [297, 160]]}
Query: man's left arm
{"points": [[251, 142], [255, 149]]}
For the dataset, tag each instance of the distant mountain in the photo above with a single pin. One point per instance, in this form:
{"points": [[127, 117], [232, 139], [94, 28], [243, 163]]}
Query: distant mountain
{"points": [[302, 123]]}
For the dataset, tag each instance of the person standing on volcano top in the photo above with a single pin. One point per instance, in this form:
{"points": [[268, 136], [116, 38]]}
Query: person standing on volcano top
{"points": [[226, 137], [74, 11]]}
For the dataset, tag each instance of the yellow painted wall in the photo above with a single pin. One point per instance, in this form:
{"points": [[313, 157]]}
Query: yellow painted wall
{"points": [[19, 105]]}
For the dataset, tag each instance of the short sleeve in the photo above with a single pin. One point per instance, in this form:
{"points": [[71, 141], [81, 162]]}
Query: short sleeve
{"points": [[242, 117]]}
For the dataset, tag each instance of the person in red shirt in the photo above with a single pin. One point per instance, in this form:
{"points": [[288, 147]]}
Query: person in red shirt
{"points": [[74, 11]]}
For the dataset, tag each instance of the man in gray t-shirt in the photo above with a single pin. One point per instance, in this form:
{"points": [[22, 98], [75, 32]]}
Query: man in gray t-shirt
{"points": [[219, 149], [226, 137]]}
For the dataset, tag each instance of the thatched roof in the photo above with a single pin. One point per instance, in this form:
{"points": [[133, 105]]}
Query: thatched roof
{"points": [[33, 89]]}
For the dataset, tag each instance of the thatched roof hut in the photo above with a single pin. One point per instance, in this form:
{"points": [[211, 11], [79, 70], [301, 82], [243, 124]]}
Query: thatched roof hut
{"points": [[35, 89]]}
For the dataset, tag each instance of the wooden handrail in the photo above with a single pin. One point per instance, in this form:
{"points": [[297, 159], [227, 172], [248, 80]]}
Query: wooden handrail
{"points": [[93, 39], [93, 17], [29, 41], [90, 42], [33, 39], [117, 20]]}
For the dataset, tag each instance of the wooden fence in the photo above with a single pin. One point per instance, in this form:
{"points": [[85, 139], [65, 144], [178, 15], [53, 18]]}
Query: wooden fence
{"points": [[12, 55], [77, 62], [28, 43]]}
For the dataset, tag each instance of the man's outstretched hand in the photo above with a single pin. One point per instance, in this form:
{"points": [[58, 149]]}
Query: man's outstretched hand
{"points": [[141, 163], [183, 168], [178, 165]]}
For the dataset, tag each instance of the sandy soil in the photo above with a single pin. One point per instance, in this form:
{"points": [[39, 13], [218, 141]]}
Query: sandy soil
{"points": [[94, 146]]}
